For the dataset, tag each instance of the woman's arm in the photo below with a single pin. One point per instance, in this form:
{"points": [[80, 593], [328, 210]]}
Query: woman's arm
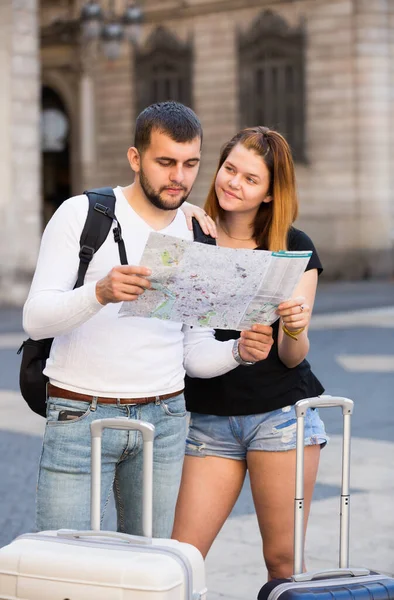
{"points": [[296, 314], [207, 224]]}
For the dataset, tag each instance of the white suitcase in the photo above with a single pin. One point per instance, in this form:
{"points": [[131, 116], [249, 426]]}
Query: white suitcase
{"points": [[103, 565]]}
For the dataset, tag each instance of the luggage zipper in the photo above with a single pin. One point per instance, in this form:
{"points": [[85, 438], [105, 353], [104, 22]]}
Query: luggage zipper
{"points": [[292, 585]]}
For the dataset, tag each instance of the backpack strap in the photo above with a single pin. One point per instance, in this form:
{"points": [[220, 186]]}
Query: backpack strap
{"points": [[99, 220], [200, 236]]}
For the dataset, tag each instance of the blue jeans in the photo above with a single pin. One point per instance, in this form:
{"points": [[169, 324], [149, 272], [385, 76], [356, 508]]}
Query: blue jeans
{"points": [[63, 491]]}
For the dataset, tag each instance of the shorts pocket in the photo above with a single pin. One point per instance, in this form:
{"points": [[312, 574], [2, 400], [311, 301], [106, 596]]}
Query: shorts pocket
{"points": [[174, 407], [193, 447]]}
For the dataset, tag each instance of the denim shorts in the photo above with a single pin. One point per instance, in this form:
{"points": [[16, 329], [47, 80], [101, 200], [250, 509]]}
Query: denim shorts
{"points": [[233, 437]]}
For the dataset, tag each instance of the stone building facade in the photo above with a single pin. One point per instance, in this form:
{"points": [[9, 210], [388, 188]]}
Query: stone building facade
{"points": [[20, 198], [321, 71]]}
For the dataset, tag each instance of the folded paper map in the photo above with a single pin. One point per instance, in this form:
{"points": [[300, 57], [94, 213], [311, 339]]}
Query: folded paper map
{"points": [[210, 286]]}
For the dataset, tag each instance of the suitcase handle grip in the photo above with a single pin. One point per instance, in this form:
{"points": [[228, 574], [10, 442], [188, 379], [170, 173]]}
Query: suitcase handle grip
{"points": [[147, 429], [124, 537], [328, 573], [324, 402]]}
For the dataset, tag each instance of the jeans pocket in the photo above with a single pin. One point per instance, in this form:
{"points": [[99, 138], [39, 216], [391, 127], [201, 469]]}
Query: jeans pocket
{"points": [[174, 407], [65, 412]]}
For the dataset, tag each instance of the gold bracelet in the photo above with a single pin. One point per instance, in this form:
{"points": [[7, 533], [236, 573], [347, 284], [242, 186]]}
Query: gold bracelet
{"points": [[292, 334]]}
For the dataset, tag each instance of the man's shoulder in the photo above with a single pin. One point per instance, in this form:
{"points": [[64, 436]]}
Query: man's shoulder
{"points": [[71, 213], [79, 202], [76, 205]]}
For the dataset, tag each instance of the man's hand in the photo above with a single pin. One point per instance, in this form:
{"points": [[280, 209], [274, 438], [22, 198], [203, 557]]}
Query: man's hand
{"points": [[256, 344], [122, 283]]}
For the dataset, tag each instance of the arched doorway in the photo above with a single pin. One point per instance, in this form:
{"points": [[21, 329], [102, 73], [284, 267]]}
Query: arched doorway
{"points": [[55, 137]]}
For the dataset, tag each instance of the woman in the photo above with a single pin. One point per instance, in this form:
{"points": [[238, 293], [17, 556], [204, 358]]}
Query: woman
{"points": [[245, 420]]}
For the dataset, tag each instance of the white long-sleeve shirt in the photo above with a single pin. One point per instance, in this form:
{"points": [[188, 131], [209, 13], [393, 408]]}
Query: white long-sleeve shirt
{"points": [[94, 351]]}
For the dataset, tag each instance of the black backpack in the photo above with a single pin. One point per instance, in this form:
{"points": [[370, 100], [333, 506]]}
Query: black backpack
{"points": [[100, 217]]}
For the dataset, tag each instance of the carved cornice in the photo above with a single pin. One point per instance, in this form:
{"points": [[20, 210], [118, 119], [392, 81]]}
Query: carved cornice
{"points": [[162, 40], [67, 32], [184, 10], [268, 25], [60, 33]]}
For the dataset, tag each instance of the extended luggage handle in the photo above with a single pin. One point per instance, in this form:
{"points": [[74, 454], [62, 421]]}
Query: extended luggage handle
{"points": [[325, 401], [347, 409], [147, 430]]}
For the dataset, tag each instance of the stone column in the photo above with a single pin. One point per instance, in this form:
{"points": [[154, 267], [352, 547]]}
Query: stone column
{"points": [[391, 42], [326, 181], [20, 198], [107, 116], [87, 127], [373, 87], [215, 90], [115, 116]]}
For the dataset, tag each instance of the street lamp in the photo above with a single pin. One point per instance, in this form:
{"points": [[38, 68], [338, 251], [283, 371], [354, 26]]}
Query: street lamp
{"points": [[132, 20], [111, 38], [111, 30], [91, 19]]}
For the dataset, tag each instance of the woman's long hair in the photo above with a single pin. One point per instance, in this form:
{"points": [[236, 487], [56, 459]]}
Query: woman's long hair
{"points": [[274, 219]]}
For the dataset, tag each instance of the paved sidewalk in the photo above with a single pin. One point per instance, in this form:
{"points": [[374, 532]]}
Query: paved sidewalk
{"points": [[235, 568], [352, 351]]}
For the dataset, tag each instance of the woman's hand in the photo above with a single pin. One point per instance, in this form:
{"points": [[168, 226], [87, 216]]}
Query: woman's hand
{"points": [[207, 224], [295, 313]]}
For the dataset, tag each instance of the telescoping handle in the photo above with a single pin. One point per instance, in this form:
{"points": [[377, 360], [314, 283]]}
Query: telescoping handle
{"points": [[148, 431], [347, 409]]}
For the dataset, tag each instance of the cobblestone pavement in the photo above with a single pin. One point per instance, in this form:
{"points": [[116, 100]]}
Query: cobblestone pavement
{"points": [[334, 345]]}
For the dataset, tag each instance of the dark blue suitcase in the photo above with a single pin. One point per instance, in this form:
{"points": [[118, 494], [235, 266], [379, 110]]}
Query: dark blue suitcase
{"points": [[343, 583], [372, 586]]}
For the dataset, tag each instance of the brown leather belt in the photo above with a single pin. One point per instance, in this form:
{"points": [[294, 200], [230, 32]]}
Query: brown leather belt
{"points": [[57, 392]]}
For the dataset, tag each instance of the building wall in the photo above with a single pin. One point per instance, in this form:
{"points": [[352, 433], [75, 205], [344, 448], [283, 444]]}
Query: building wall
{"points": [[391, 101], [346, 185], [327, 183], [346, 190], [373, 147], [115, 116], [20, 200]]}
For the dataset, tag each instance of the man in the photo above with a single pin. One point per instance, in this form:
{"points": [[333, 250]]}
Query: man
{"points": [[102, 366]]}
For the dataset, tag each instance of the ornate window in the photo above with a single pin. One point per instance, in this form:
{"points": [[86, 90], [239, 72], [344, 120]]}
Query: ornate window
{"points": [[163, 70], [271, 75]]}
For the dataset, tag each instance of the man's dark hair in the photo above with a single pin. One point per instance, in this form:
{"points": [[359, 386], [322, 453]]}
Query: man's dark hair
{"points": [[174, 119]]}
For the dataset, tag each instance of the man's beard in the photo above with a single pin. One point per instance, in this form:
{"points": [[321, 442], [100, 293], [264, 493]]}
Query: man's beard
{"points": [[154, 196]]}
